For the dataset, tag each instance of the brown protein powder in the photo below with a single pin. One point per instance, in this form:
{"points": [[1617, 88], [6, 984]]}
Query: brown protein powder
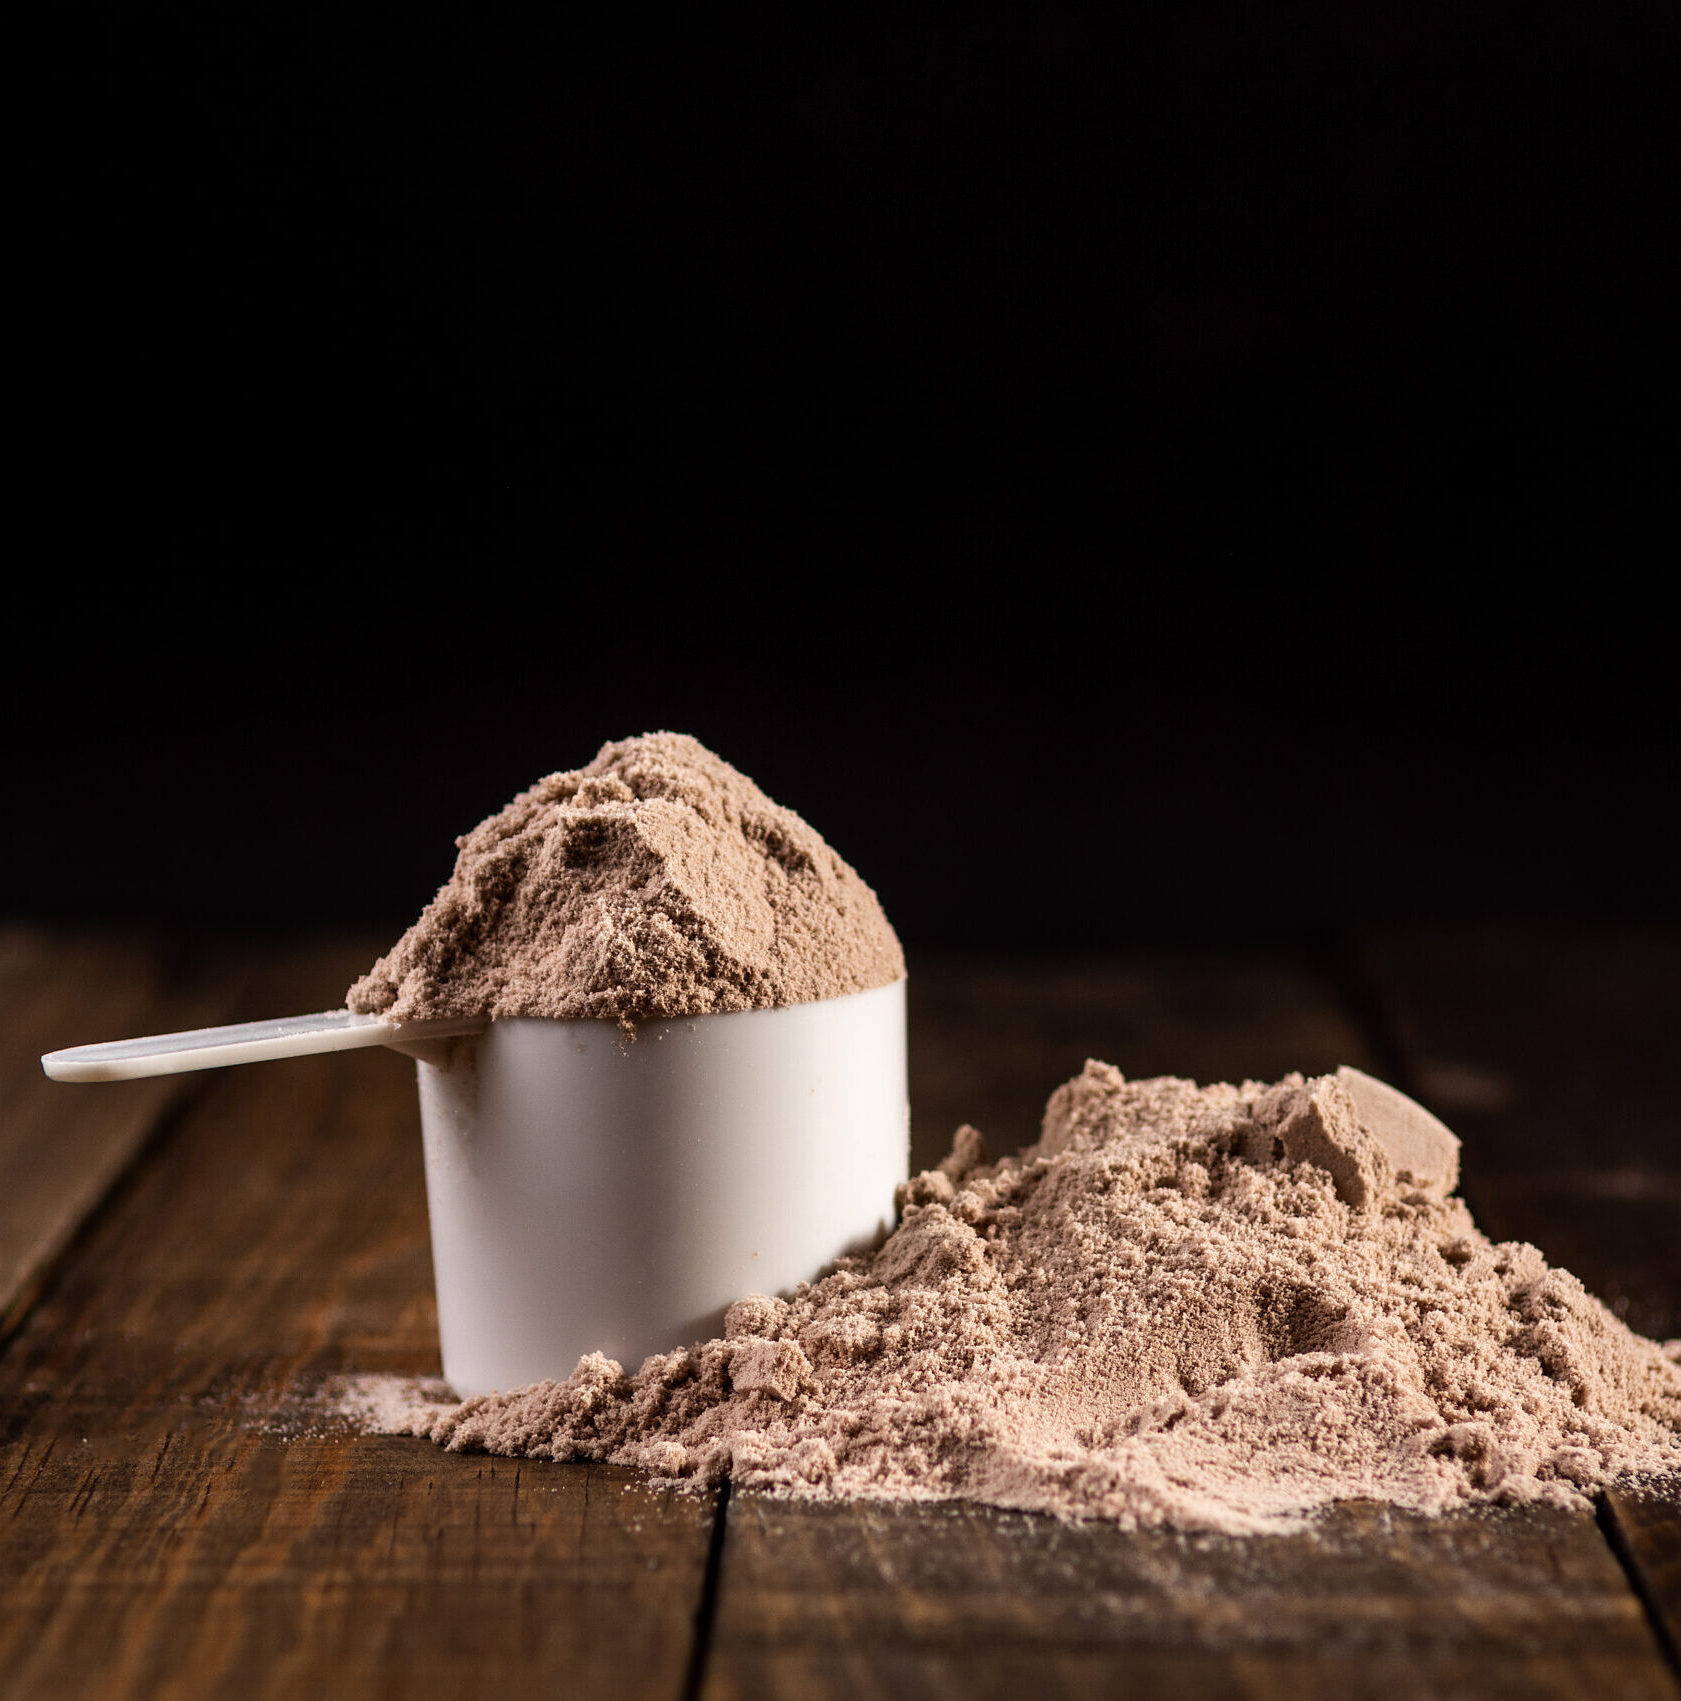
{"points": [[656, 883], [1216, 1308]]}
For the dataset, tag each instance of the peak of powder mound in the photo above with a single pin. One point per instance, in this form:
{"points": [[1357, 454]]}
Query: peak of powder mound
{"points": [[657, 882], [1216, 1307]]}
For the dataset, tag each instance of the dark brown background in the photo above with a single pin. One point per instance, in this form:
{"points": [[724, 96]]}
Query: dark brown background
{"points": [[1186, 479]]}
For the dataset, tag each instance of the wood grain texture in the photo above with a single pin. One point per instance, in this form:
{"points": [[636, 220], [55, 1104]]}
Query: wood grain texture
{"points": [[62, 1147], [1645, 1530], [177, 1518], [819, 1601]]}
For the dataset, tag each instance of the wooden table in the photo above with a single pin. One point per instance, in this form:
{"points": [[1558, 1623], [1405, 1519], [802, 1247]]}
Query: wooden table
{"points": [[183, 1261]]}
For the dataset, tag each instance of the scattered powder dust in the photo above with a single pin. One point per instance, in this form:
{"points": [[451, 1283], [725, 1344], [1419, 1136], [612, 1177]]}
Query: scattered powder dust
{"points": [[386, 1405], [1217, 1308], [656, 883]]}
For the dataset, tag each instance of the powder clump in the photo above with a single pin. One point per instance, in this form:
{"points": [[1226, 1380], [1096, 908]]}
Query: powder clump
{"points": [[656, 883], [1215, 1308]]}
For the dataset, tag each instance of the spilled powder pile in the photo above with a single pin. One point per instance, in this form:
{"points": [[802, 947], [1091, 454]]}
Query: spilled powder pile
{"points": [[656, 883], [1216, 1308]]}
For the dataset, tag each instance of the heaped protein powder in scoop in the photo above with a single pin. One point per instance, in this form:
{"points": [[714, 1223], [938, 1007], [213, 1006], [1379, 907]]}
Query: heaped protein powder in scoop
{"points": [[656, 883], [1214, 1308]]}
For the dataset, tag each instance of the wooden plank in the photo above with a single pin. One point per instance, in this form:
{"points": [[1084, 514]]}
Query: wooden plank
{"points": [[1644, 1524], [1552, 1053], [858, 1601], [195, 1542], [175, 1523], [62, 1148]]}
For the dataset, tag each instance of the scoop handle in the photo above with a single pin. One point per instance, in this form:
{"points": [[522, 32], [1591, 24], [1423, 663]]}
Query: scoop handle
{"points": [[244, 1042]]}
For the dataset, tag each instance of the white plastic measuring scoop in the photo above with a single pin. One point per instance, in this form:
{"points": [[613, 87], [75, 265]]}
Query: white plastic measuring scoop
{"points": [[590, 1192]]}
